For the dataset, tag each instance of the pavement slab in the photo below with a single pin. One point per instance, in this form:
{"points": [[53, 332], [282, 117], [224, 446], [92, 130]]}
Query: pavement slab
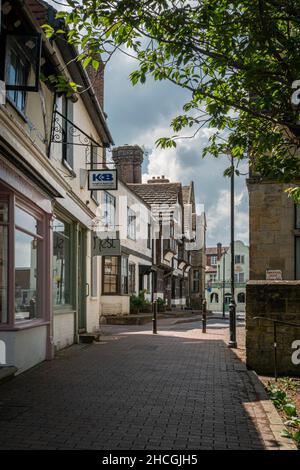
{"points": [[179, 389]]}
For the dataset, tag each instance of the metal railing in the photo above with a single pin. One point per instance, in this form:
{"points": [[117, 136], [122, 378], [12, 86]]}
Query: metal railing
{"points": [[275, 323]]}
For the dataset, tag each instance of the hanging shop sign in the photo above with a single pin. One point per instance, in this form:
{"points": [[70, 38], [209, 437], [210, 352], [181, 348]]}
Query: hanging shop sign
{"points": [[105, 246], [102, 179]]}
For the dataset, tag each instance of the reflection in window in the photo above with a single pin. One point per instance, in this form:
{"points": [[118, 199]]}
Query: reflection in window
{"points": [[26, 262], [61, 263], [131, 278], [110, 274], [3, 260], [124, 275]]}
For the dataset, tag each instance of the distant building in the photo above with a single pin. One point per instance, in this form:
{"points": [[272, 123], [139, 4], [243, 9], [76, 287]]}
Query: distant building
{"points": [[218, 270], [173, 208]]}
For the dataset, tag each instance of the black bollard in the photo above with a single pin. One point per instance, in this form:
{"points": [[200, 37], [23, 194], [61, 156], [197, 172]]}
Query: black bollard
{"points": [[154, 317], [204, 316]]}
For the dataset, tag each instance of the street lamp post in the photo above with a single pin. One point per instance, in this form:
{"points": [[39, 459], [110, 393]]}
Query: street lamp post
{"points": [[232, 306]]}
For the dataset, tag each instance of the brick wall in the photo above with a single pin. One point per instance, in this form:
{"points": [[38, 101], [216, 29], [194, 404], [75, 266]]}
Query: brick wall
{"points": [[277, 300]]}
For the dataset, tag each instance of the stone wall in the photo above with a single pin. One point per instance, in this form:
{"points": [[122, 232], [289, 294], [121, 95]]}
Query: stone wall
{"points": [[277, 300], [272, 232]]}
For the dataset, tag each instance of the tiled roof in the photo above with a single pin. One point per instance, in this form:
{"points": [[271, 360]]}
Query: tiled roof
{"points": [[214, 251], [157, 193], [210, 269]]}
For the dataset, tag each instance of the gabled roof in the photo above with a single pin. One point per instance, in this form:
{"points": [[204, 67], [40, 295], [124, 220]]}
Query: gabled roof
{"points": [[158, 193]]}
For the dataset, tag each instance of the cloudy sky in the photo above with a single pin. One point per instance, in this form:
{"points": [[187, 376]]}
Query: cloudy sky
{"points": [[140, 115]]}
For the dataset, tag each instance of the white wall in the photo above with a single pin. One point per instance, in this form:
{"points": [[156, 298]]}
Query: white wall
{"points": [[25, 348]]}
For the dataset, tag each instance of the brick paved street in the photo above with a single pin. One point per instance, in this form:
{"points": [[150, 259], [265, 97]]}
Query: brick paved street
{"points": [[177, 390]]}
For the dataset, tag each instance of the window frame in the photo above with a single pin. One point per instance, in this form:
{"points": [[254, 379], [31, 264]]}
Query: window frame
{"points": [[13, 198], [106, 197]]}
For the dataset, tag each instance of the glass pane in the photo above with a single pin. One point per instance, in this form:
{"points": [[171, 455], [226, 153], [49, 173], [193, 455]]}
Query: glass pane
{"points": [[22, 57], [3, 212], [26, 262], [3, 273], [25, 220], [61, 263]]}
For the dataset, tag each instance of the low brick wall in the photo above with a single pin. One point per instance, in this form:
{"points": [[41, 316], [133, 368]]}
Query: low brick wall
{"points": [[278, 300]]}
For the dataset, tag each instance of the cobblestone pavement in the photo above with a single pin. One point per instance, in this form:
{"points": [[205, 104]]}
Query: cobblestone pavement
{"points": [[180, 389]]}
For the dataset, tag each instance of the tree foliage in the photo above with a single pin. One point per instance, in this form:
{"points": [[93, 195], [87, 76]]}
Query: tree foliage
{"points": [[238, 59]]}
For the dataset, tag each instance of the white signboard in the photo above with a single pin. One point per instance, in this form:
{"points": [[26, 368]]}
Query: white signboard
{"points": [[273, 275], [102, 179]]}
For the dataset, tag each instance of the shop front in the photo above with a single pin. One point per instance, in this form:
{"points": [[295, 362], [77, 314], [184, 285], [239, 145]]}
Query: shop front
{"points": [[25, 300]]}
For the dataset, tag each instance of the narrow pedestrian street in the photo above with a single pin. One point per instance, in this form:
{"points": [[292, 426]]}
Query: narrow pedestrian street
{"points": [[180, 389]]}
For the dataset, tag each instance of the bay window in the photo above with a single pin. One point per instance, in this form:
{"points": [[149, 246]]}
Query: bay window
{"points": [[23, 245], [115, 275]]}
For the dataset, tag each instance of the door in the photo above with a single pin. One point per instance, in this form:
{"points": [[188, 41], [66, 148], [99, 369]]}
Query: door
{"points": [[82, 286]]}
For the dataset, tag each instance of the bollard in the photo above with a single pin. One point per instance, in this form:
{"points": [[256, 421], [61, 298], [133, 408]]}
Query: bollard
{"points": [[154, 317], [204, 316]]}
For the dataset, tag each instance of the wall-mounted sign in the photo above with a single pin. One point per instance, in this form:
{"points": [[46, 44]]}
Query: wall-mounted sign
{"points": [[102, 179], [273, 275], [105, 246]]}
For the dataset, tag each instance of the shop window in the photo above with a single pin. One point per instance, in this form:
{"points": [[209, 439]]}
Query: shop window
{"points": [[110, 274], [109, 208], [131, 224], [3, 261], [61, 263], [124, 275], [28, 245], [131, 281]]}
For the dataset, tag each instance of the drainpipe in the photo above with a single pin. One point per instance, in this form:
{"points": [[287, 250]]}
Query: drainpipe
{"points": [[75, 284]]}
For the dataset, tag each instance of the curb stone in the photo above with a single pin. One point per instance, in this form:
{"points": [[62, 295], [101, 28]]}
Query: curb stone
{"points": [[275, 420]]}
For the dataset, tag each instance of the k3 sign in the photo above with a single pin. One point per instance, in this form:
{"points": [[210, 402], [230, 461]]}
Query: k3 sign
{"points": [[102, 179]]}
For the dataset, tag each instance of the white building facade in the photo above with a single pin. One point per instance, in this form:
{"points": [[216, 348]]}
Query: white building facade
{"points": [[218, 278]]}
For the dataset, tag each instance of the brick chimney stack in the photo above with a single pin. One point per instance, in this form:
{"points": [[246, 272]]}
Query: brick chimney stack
{"points": [[219, 250], [158, 180], [128, 160]]}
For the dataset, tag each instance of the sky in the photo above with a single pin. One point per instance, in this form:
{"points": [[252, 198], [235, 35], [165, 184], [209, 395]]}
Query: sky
{"points": [[141, 114]]}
